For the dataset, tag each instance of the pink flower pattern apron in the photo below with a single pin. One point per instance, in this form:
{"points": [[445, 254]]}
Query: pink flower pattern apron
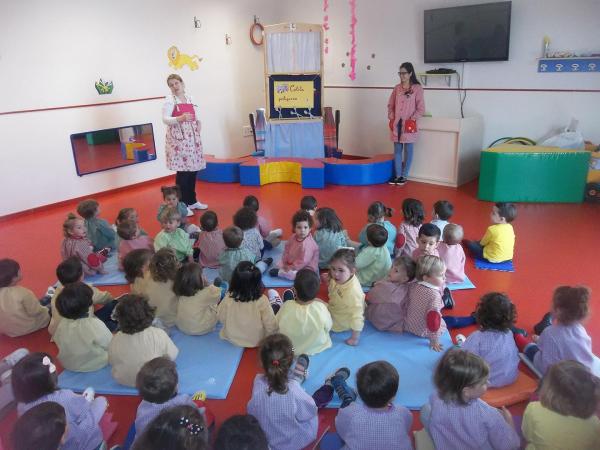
{"points": [[183, 147]]}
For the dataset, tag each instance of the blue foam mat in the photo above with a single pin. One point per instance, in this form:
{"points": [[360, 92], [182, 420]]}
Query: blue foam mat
{"points": [[198, 368], [505, 266], [466, 284], [410, 355], [113, 276]]}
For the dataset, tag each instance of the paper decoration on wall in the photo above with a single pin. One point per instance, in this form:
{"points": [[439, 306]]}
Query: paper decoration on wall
{"points": [[104, 87], [325, 26], [353, 21], [177, 60]]}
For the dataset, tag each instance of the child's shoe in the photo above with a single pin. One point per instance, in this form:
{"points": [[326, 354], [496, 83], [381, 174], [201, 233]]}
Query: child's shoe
{"points": [[300, 371], [346, 394], [274, 300], [274, 272], [447, 299], [460, 340], [268, 261], [89, 394], [288, 295], [543, 324], [516, 330]]}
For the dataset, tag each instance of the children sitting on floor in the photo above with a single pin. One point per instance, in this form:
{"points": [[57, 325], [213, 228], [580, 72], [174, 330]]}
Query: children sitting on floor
{"points": [[171, 197], [135, 265], [308, 203], [346, 297], [494, 340], [234, 254], [567, 337], [414, 215], [42, 427], [245, 312], [498, 242], [77, 244], [137, 341], [197, 300], [20, 311], [388, 299], [442, 212], [376, 214], [174, 237], [82, 339], [245, 219], [330, 235], [241, 431], [428, 240], [34, 381], [98, 230], [300, 251], [210, 242], [452, 253], [455, 417], [131, 238], [271, 238], [286, 413], [565, 415], [305, 319], [373, 262]]}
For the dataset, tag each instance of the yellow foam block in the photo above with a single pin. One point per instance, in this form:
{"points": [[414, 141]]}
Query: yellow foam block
{"points": [[280, 172], [130, 146]]}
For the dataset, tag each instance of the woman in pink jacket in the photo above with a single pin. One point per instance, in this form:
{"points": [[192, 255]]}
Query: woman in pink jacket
{"points": [[405, 106]]}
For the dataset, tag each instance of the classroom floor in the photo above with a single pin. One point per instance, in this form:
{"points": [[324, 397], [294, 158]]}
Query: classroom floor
{"points": [[556, 244]]}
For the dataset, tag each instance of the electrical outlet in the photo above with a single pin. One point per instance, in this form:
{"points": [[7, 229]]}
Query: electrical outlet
{"points": [[246, 131]]}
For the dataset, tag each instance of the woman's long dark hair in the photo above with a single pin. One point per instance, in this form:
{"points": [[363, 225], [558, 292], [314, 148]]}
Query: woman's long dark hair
{"points": [[409, 68]]}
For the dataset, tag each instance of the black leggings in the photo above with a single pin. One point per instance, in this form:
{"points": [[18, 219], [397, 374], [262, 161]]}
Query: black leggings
{"points": [[187, 183]]}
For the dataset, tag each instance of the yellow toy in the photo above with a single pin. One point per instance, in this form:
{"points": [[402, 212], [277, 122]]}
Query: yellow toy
{"points": [[178, 60]]}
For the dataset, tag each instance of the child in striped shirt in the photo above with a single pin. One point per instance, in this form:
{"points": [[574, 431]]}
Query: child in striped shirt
{"points": [[406, 240], [210, 243], [77, 244]]}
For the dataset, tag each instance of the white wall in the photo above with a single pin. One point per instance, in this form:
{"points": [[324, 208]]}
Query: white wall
{"points": [[52, 52]]}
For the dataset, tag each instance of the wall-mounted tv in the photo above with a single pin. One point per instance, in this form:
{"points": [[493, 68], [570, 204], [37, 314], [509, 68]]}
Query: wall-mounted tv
{"points": [[468, 33]]}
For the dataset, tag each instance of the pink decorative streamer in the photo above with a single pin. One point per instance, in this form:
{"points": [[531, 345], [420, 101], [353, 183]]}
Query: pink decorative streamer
{"points": [[326, 24], [353, 21]]}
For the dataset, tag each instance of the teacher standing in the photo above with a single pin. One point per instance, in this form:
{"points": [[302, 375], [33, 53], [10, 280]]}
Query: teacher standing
{"points": [[183, 147], [405, 106]]}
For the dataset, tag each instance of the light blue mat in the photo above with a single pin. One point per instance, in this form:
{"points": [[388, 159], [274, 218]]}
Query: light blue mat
{"points": [[466, 284], [410, 355], [505, 266], [113, 276], [198, 366]]}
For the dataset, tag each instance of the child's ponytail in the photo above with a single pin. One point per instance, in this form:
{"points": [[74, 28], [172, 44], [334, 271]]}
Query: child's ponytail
{"points": [[276, 356], [378, 210]]}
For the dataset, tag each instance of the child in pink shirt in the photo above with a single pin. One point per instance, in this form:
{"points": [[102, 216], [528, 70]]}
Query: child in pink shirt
{"points": [[300, 251], [406, 239], [452, 253], [131, 239], [77, 244], [210, 243], [428, 240]]}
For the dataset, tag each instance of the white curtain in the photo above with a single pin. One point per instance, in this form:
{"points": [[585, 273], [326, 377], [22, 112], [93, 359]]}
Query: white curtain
{"points": [[294, 52]]}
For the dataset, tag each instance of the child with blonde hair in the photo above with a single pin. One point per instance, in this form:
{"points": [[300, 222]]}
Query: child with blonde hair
{"points": [[346, 297], [98, 230], [376, 214], [565, 415], [174, 237], [373, 262], [414, 215], [20, 311], [77, 244], [498, 242], [452, 253], [210, 243]]}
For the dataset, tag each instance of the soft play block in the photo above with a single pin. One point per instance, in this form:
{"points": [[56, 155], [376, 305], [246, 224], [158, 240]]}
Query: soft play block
{"points": [[221, 170], [517, 392], [358, 172], [520, 173], [140, 154], [260, 171]]}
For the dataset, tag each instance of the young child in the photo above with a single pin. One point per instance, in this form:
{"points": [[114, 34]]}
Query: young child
{"points": [[158, 285], [406, 241], [234, 254], [157, 383], [241, 432], [271, 238], [442, 212], [137, 341], [81, 337], [300, 251], [20, 311], [456, 417], [43, 427], [135, 265], [245, 219], [210, 242], [174, 237], [565, 416], [428, 240], [494, 340], [330, 235], [377, 213], [387, 300], [98, 230], [197, 303], [566, 338], [77, 244], [306, 319], [308, 203], [373, 262], [181, 427], [498, 242], [246, 314], [172, 199], [70, 271], [286, 413], [388, 425], [423, 314], [34, 381], [452, 253], [131, 238], [127, 214], [346, 297]]}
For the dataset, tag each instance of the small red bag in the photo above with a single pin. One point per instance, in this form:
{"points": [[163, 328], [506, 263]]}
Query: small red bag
{"points": [[410, 126]]}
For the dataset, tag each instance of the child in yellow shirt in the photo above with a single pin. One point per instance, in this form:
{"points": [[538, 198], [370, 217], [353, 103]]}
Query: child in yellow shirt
{"points": [[498, 243]]}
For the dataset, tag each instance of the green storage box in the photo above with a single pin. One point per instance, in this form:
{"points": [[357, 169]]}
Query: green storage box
{"points": [[102, 137], [521, 173]]}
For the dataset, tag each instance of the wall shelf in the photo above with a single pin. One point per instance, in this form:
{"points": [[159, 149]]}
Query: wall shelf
{"points": [[573, 64], [423, 76]]}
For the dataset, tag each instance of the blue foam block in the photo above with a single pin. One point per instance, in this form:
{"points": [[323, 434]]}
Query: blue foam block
{"points": [[313, 177], [220, 172], [197, 366], [483, 264], [467, 284], [249, 175], [409, 354], [113, 275], [376, 172]]}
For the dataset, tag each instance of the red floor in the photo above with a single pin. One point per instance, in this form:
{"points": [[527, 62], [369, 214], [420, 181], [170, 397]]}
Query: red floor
{"points": [[556, 244]]}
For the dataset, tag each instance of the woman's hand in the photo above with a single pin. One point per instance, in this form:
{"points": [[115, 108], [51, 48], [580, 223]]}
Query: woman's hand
{"points": [[185, 117]]}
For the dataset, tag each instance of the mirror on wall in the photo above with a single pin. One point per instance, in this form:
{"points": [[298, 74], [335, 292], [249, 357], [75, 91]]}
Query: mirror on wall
{"points": [[95, 151]]}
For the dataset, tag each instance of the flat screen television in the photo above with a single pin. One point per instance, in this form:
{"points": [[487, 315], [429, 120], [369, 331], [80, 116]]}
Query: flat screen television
{"points": [[468, 33]]}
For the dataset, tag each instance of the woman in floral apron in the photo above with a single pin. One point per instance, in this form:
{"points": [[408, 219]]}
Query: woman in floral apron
{"points": [[183, 146]]}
